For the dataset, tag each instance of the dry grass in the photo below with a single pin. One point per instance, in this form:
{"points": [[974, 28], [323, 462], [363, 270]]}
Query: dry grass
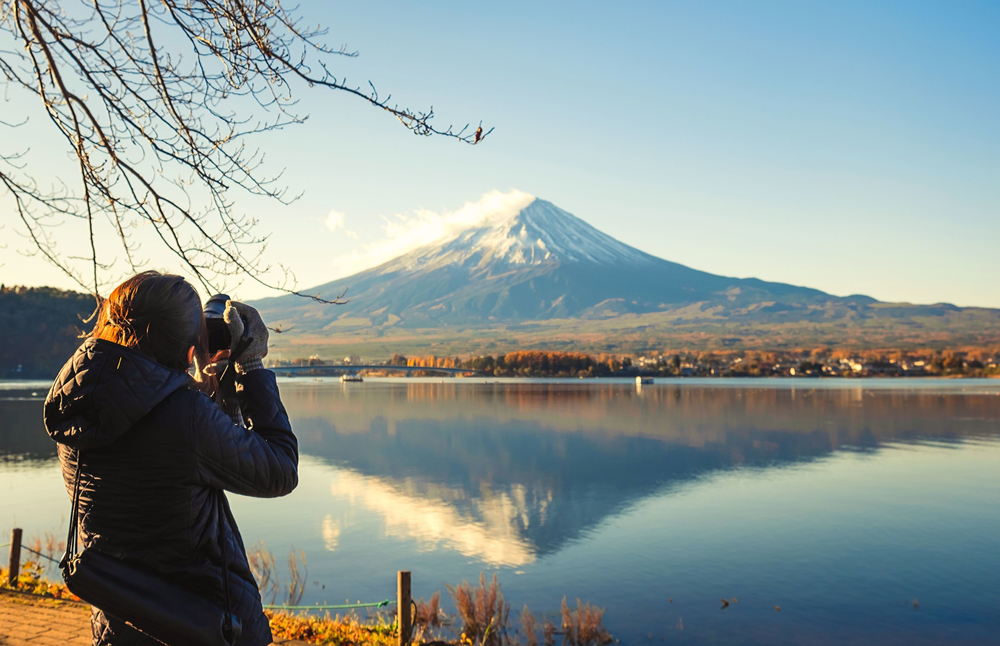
{"points": [[549, 633], [582, 626], [263, 567], [483, 612], [528, 624], [47, 545], [297, 582], [428, 614]]}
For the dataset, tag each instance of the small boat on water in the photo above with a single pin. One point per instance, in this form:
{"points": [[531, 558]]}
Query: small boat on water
{"points": [[640, 381], [350, 378]]}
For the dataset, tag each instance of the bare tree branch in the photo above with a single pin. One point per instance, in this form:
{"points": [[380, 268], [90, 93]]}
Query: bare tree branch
{"points": [[156, 100]]}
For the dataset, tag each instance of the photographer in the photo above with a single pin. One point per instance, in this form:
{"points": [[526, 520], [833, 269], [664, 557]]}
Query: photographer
{"points": [[146, 455]]}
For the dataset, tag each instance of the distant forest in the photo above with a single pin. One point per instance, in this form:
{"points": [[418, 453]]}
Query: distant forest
{"points": [[42, 328]]}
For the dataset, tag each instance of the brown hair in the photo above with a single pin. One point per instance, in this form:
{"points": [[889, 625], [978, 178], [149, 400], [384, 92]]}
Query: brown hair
{"points": [[160, 315]]}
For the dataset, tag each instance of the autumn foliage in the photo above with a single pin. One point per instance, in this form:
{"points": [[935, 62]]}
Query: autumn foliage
{"points": [[340, 631], [527, 363]]}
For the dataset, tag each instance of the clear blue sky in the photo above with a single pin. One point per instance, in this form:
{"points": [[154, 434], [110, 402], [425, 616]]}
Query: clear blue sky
{"points": [[852, 147]]}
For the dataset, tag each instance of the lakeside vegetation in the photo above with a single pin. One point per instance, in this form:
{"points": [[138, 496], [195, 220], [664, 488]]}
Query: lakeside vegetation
{"points": [[481, 618], [800, 362]]}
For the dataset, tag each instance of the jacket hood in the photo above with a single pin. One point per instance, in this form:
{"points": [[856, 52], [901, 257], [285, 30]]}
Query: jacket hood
{"points": [[102, 391]]}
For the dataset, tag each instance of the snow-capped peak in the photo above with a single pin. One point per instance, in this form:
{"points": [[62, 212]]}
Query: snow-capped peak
{"points": [[537, 233]]}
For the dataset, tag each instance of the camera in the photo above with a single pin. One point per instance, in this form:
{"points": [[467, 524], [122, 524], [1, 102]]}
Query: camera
{"points": [[219, 337]]}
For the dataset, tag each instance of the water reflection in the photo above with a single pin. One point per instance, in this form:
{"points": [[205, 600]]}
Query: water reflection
{"points": [[22, 434], [510, 472], [507, 473], [488, 528], [756, 490]]}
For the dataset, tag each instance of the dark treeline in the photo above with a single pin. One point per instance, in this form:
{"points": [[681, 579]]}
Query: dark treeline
{"points": [[42, 328]]}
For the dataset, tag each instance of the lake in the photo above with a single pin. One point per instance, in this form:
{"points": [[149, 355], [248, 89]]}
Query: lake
{"points": [[869, 511]]}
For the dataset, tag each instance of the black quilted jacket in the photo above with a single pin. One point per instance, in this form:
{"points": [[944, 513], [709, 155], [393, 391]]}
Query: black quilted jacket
{"points": [[154, 451]]}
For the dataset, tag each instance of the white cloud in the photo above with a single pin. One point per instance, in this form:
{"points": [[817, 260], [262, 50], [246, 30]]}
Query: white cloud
{"points": [[408, 231], [334, 221]]}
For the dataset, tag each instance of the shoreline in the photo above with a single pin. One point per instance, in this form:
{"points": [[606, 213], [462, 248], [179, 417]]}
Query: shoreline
{"points": [[11, 384]]}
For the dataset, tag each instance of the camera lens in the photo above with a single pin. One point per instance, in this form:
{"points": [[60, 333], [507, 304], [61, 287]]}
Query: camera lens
{"points": [[219, 337], [216, 305]]}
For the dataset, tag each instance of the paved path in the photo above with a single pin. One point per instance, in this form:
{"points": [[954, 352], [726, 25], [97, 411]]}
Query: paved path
{"points": [[41, 622], [28, 621]]}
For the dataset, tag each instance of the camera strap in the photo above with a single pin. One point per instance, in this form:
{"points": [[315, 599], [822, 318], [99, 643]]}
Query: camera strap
{"points": [[227, 397]]}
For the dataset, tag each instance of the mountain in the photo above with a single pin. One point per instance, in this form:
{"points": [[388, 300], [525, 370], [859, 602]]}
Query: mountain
{"points": [[537, 268], [539, 263]]}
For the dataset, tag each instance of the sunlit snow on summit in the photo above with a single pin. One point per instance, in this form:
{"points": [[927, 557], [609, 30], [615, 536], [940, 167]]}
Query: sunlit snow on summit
{"points": [[408, 231]]}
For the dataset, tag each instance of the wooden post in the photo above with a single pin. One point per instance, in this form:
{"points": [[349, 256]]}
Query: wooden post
{"points": [[14, 564], [403, 600]]}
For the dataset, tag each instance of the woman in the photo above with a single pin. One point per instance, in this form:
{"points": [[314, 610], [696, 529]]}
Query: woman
{"points": [[154, 448]]}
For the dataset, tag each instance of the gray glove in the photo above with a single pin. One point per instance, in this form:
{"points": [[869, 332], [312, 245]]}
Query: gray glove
{"points": [[244, 321]]}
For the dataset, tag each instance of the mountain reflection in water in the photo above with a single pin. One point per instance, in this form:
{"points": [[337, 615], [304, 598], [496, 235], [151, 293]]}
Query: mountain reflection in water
{"points": [[837, 500], [510, 472]]}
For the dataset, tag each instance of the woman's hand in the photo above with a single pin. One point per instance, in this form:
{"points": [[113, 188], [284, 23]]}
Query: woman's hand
{"points": [[245, 322], [217, 363], [214, 366]]}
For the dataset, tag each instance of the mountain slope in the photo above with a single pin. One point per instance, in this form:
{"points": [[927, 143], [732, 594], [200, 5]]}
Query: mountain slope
{"points": [[539, 263]]}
